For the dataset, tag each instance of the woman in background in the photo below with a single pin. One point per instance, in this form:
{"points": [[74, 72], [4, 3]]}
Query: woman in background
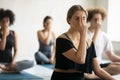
{"points": [[46, 38], [8, 41]]}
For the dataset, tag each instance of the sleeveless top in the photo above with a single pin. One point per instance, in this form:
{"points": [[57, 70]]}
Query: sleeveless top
{"points": [[46, 49], [6, 55], [63, 45]]}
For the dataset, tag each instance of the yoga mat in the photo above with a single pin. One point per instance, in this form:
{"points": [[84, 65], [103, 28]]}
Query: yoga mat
{"points": [[22, 76], [50, 66]]}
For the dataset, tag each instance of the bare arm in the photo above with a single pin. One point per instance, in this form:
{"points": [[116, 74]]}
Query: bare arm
{"points": [[96, 33], [100, 72], [15, 49], [3, 39], [79, 55], [113, 57], [52, 59], [42, 38]]}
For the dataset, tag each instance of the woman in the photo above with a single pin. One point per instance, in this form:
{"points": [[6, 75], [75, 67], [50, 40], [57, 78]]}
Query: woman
{"points": [[46, 38], [75, 54], [8, 41]]}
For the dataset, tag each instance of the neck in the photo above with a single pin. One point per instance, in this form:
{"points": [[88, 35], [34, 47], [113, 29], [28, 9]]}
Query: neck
{"points": [[4, 29], [74, 34], [92, 28]]}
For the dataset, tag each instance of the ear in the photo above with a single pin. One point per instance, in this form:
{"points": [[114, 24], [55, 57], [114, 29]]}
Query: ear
{"points": [[69, 21]]}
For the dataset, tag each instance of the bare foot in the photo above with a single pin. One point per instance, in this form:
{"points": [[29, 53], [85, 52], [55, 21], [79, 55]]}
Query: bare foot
{"points": [[3, 67]]}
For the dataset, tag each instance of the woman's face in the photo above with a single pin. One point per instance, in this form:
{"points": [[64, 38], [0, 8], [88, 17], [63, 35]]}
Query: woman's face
{"points": [[77, 18], [96, 20], [48, 24], [5, 22]]}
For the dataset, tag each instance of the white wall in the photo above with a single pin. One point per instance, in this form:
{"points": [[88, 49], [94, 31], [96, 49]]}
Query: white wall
{"points": [[29, 17], [114, 20]]}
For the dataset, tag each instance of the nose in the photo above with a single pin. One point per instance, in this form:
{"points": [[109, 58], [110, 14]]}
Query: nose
{"points": [[97, 20]]}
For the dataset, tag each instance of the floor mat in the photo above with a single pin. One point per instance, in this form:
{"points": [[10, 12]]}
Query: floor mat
{"points": [[50, 66], [21, 76]]}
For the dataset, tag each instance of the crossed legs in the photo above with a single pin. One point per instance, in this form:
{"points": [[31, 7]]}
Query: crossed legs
{"points": [[8, 68], [17, 67]]}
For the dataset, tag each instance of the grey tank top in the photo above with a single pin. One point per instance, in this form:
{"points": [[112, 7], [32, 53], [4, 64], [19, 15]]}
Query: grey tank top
{"points": [[46, 49]]}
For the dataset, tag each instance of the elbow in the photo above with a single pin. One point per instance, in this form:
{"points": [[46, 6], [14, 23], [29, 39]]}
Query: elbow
{"points": [[2, 48], [81, 61], [98, 71], [47, 43]]}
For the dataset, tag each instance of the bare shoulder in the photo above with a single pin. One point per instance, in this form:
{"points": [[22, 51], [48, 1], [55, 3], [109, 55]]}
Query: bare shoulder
{"points": [[61, 36], [39, 32]]}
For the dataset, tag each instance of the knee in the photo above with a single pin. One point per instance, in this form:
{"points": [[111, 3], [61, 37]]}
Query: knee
{"points": [[31, 63], [36, 54]]}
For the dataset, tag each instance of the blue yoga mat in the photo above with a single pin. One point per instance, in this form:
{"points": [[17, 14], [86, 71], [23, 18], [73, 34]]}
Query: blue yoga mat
{"points": [[50, 66], [21, 76]]}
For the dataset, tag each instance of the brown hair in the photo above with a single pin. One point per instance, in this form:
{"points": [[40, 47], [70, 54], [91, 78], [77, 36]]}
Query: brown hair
{"points": [[97, 10], [45, 19], [73, 9]]}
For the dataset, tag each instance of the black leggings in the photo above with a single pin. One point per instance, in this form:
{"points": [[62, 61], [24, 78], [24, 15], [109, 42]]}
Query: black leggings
{"points": [[104, 65], [67, 76]]}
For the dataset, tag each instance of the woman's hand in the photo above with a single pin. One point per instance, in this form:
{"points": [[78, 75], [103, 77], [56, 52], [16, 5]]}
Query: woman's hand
{"points": [[98, 25], [82, 25], [5, 29]]}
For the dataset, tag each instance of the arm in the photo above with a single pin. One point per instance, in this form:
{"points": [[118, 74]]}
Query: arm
{"points": [[100, 72], [113, 57], [15, 48], [42, 38], [97, 30], [79, 55], [3, 39], [96, 33], [52, 59]]}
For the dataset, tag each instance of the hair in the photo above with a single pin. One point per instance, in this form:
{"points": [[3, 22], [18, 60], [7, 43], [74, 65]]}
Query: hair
{"points": [[97, 10], [73, 9], [7, 13], [45, 19]]}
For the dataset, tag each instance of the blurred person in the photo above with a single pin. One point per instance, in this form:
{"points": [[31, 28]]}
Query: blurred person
{"points": [[8, 42], [46, 38]]}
